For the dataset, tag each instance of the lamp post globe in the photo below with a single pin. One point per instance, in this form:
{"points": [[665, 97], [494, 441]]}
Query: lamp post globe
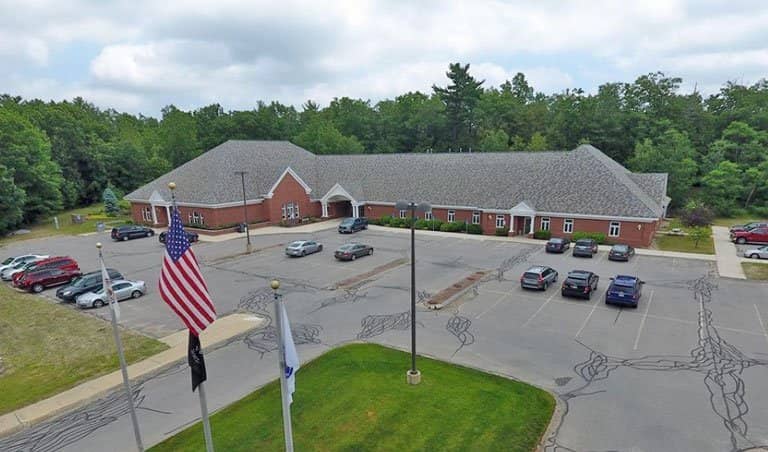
{"points": [[275, 284]]}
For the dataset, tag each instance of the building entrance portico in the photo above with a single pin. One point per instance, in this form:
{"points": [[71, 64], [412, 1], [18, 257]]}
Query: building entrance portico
{"points": [[339, 203], [521, 219]]}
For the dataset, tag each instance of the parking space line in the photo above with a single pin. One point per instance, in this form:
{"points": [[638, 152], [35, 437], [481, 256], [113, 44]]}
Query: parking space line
{"points": [[642, 321], [540, 309], [594, 308], [492, 306], [760, 318]]}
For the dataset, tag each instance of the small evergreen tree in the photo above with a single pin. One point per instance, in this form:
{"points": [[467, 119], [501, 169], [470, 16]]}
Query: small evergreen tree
{"points": [[110, 202]]}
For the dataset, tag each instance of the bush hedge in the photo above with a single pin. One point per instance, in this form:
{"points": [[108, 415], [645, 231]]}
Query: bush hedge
{"points": [[453, 226], [502, 232], [474, 229], [542, 235], [598, 237]]}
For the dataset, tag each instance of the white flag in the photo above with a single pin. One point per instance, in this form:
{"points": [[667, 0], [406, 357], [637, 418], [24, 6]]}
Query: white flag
{"points": [[291, 358], [107, 283]]}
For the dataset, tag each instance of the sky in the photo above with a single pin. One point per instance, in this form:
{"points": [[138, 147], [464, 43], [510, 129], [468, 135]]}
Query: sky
{"points": [[138, 56]]}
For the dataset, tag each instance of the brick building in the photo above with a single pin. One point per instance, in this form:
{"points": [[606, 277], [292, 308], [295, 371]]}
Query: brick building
{"points": [[561, 191]]}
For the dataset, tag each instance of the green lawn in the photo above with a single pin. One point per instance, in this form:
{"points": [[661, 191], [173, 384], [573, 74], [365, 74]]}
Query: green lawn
{"points": [[755, 271], [727, 222], [47, 348], [92, 215], [683, 244], [356, 398]]}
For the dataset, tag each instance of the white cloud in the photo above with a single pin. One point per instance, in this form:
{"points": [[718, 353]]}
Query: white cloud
{"points": [[237, 52]]}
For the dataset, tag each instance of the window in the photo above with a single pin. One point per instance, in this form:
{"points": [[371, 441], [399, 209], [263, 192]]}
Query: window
{"points": [[290, 210], [500, 221], [402, 214], [475, 217], [146, 214], [296, 210], [428, 215], [545, 224], [195, 218], [568, 226], [614, 229], [451, 216]]}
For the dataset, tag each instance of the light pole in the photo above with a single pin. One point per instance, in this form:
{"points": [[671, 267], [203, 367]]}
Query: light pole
{"points": [[245, 213], [413, 375]]}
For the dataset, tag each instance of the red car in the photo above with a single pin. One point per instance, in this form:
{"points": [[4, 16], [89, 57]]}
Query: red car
{"points": [[60, 262], [757, 235], [49, 277]]}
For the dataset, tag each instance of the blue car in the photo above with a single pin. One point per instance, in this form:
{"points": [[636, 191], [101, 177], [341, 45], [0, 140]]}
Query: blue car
{"points": [[624, 291]]}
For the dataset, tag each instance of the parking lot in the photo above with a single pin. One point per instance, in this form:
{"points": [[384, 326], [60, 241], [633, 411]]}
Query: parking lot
{"points": [[685, 370]]}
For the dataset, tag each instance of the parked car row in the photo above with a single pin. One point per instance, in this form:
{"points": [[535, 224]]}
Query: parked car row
{"points": [[588, 248], [624, 290], [752, 233], [36, 272], [346, 252]]}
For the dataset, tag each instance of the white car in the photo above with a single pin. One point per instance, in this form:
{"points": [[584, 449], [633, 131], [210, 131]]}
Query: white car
{"points": [[303, 247], [7, 274], [123, 289], [757, 253], [12, 261]]}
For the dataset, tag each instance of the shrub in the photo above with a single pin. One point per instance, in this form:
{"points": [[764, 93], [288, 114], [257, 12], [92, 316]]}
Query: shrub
{"points": [[760, 211], [698, 234], [421, 224], [453, 226], [542, 235], [502, 232], [696, 213], [434, 224], [598, 237], [474, 229]]}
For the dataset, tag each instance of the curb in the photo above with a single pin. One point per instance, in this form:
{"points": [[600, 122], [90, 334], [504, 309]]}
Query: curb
{"points": [[103, 385]]}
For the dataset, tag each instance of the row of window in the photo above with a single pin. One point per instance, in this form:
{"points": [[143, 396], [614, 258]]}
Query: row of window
{"points": [[451, 216], [614, 228], [290, 211], [194, 217]]}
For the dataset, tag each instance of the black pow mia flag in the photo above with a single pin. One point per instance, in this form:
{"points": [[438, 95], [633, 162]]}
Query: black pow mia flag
{"points": [[196, 361]]}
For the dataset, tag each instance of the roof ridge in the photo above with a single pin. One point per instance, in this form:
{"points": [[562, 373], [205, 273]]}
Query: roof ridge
{"points": [[622, 174]]}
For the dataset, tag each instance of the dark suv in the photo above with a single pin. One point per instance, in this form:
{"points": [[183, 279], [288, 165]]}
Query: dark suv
{"points": [[585, 247], [131, 231], [352, 225], [89, 282], [580, 283], [538, 277], [624, 290]]}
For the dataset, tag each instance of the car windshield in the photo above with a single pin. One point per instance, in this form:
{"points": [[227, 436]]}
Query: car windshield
{"points": [[583, 243], [348, 221], [296, 244], [621, 248], [555, 240], [79, 282], [7, 261], [531, 275], [578, 277], [624, 289], [346, 247]]}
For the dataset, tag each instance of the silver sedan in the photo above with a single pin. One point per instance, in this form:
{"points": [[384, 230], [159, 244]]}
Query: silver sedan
{"points": [[757, 253], [123, 289], [303, 247]]}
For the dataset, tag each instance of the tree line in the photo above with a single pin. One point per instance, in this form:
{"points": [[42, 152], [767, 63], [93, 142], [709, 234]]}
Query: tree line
{"points": [[57, 155]]}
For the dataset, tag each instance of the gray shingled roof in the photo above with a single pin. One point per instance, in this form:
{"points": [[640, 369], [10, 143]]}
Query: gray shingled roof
{"points": [[582, 181]]}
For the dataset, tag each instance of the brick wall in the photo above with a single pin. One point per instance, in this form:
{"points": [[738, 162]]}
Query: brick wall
{"points": [[290, 190], [630, 232]]}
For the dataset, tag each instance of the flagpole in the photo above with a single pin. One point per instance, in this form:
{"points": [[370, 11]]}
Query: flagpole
{"points": [[287, 430], [201, 385], [123, 367], [206, 423]]}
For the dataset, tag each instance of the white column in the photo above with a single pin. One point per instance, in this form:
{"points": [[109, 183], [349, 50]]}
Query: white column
{"points": [[168, 214], [354, 210], [533, 218], [154, 215], [511, 224], [325, 209]]}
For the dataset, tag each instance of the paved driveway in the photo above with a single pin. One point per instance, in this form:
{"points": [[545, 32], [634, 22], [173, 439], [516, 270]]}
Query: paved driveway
{"points": [[686, 370]]}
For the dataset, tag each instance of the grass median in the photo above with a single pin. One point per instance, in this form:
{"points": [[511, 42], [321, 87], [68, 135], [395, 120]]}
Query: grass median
{"points": [[356, 398], [47, 348], [755, 271], [684, 244]]}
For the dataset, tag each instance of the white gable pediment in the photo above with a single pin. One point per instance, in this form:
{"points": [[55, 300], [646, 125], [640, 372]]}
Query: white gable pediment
{"points": [[522, 209], [156, 197], [337, 191]]}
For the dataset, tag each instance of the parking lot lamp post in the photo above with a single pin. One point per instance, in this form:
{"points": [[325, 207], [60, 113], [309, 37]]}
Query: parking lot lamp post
{"points": [[413, 375], [245, 213]]}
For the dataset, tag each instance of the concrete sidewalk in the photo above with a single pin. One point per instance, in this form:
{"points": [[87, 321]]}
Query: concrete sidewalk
{"points": [[218, 333], [728, 260], [275, 230], [528, 241]]}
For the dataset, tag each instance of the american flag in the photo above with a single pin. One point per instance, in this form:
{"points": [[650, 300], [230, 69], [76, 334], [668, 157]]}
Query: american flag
{"points": [[181, 285]]}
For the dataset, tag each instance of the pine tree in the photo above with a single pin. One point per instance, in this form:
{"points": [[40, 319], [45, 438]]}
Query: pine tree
{"points": [[110, 202]]}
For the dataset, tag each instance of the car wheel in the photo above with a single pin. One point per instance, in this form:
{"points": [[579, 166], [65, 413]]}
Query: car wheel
{"points": [[147, 234], [741, 240], [320, 248], [354, 256], [37, 288], [303, 253], [136, 294], [125, 238], [151, 233], [546, 286], [98, 304], [370, 252], [754, 256]]}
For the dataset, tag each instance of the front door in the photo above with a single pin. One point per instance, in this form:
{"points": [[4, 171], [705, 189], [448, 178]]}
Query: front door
{"points": [[526, 225]]}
